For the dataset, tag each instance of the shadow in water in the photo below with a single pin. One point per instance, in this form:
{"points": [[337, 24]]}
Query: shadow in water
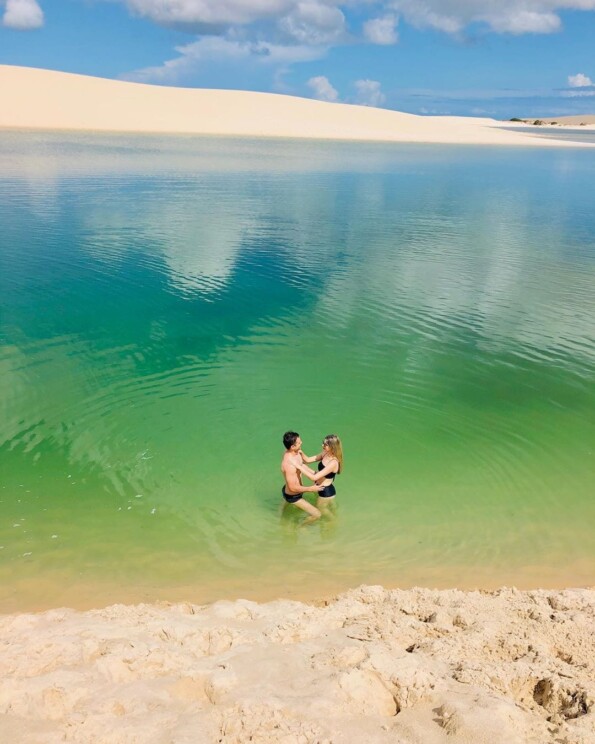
{"points": [[293, 521]]}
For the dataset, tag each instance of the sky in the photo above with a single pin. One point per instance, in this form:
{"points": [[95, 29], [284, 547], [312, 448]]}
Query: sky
{"points": [[497, 58]]}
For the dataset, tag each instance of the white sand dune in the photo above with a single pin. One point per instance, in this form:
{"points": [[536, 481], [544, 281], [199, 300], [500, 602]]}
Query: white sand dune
{"points": [[44, 99], [414, 667]]}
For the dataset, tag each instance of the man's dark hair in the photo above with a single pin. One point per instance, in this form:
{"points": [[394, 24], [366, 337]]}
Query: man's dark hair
{"points": [[289, 439]]}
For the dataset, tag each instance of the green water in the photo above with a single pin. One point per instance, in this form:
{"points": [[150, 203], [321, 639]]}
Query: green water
{"points": [[170, 306]]}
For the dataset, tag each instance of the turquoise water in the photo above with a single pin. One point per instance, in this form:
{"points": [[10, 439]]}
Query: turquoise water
{"points": [[170, 306]]}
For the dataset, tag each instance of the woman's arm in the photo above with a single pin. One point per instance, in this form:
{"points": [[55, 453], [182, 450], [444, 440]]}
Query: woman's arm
{"points": [[314, 458], [294, 485], [320, 474]]}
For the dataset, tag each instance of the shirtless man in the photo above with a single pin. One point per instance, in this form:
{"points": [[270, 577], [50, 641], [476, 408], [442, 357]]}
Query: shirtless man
{"points": [[293, 488]]}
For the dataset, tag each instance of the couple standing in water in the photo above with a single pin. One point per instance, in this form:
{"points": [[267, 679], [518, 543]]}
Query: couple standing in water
{"points": [[293, 465]]}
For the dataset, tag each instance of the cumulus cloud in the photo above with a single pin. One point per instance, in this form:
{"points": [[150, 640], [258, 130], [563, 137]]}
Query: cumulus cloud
{"points": [[502, 16], [381, 31], [283, 32], [307, 20], [22, 15], [210, 12], [313, 23], [524, 22], [579, 81], [278, 24], [368, 93], [301, 21], [208, 49], [322, 89]]}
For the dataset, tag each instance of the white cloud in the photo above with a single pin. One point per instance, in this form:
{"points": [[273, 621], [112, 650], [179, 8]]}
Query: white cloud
{"points": [[305, 20], [381, 30], [209, 49], [312, 23], [210, 12], [369, 93], [283, 32], [579, 81], [322, 21], [524, 22], [322, 89], [502, 16], [22, 15]]}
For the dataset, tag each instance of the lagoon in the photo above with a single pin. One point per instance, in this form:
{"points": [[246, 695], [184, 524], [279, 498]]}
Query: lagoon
{"points": [[170, 305]]}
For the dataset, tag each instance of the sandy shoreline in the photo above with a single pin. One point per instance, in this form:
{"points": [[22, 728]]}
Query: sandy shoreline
{"points": [[415, 666], [41, 590], [36, 99]]}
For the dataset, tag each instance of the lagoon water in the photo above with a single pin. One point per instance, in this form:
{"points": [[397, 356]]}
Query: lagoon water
{"points": [[565, 133], [170, 305]]}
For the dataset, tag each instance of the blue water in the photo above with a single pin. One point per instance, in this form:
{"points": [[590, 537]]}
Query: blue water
{"points": [[567, 134], [170, 305]]}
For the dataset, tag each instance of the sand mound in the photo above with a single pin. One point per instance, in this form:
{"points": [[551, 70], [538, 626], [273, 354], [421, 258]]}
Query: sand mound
{"points": [[45, 99], [373, 665]]}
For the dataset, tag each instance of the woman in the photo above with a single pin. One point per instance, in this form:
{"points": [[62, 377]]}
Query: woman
{"points": [[330, 464]]}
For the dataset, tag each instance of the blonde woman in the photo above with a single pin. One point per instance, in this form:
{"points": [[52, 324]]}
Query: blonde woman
{"points": [[330, 464]]}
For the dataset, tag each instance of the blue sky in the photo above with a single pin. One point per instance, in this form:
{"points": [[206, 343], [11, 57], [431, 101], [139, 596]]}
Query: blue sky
{"points": [[498, 58]]}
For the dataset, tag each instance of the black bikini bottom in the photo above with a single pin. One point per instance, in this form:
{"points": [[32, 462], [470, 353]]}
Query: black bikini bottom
{"points": [[327, 492], [290, 499]]}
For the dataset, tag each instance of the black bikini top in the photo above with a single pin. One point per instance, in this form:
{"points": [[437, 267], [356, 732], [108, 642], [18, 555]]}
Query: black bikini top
{"points": [[330, 476]]}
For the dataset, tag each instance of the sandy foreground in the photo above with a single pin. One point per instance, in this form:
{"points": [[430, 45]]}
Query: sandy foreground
{"points": [[372, 665], [44, 99]]}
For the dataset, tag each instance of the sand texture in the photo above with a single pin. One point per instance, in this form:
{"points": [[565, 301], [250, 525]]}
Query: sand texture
{"points": [[373, 665], [48, 100]]}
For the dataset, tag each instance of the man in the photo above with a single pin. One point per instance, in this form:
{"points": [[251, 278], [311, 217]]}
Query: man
{"points": [[293, 488]]}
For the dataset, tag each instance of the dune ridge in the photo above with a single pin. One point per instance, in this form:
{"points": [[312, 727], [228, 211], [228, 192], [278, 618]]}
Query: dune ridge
{"points": [[45, 99]]}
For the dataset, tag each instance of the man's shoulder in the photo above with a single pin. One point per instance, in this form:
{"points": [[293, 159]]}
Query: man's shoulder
{"points": [[288, 460]]}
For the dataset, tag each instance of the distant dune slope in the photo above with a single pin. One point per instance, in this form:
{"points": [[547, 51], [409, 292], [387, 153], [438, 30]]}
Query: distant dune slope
{"points": [[587, 119], [43, 99]]}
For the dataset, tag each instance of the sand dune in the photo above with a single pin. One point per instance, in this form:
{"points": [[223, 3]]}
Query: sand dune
{"points": [[43, 99], [566, 121], [414, 667]]}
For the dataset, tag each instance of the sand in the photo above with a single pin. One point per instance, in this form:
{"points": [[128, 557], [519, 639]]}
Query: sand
{"points": [[374, 665], [48, 100], [587, 120]]}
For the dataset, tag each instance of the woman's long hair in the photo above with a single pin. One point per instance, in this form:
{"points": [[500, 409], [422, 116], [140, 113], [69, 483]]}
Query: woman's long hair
{"points": [[336, 448]]}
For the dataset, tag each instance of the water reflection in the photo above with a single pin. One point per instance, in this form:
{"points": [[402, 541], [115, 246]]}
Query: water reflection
{"points": [[167, 305]]}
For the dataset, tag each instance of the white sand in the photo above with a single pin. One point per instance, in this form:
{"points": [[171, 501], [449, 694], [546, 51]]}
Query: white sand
{"points": [[43, 99], [413, 667]]}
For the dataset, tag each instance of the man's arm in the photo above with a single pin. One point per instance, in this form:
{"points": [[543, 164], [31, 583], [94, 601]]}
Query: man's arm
{"points": [[293, 483]]}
